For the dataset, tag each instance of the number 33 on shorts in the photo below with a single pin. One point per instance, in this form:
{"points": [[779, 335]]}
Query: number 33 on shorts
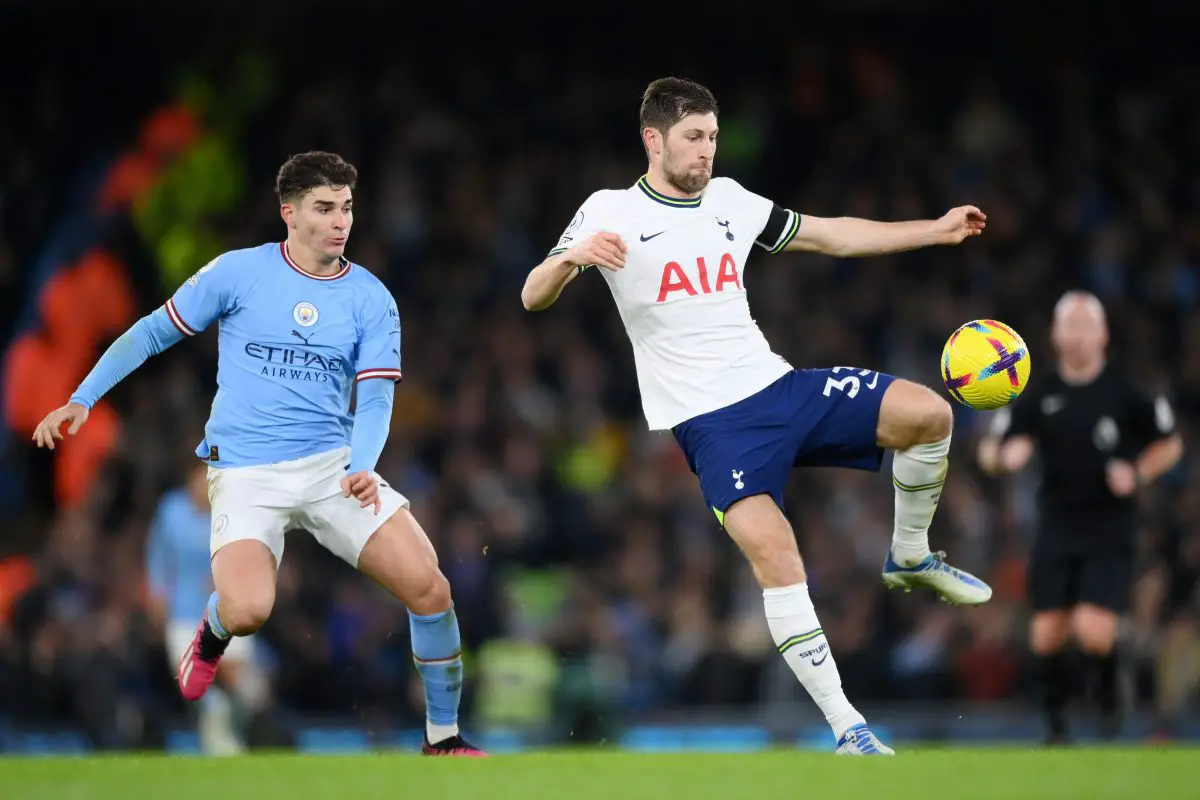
{"points": [[852, 383]]}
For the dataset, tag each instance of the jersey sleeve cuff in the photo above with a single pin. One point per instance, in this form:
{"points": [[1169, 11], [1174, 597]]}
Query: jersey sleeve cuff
{"points": [[387, 374]]}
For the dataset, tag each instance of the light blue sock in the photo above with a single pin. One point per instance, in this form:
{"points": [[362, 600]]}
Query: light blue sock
{"points": [[214, 621], [437, 652]]}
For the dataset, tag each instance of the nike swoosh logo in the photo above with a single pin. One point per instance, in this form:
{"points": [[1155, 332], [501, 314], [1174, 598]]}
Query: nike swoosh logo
{"points": [[824, 656], [646, 238]]}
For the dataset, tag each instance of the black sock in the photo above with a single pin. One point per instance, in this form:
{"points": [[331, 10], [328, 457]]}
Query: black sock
{"points": [[1055, 690], [1107, 685], [211, 645]]}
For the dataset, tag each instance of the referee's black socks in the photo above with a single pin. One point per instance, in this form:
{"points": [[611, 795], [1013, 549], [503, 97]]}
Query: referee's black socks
{"points": [[1054, 680], [1106, 672], [1105, 669]]}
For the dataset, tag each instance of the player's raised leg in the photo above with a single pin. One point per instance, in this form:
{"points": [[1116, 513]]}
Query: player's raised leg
{"points": [[244, 577], [766, 538], [400, 557], [917, 425]]}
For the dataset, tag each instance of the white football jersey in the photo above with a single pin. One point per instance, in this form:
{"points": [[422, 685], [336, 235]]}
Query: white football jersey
{"points": [[682, 292]]}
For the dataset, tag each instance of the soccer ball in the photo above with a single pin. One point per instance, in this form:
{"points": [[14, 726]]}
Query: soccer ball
{"points": [[985, 364]]}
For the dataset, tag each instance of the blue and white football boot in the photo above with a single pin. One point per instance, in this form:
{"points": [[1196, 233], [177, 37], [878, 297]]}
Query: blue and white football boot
{"points": [[860, 741], [953, 585]]}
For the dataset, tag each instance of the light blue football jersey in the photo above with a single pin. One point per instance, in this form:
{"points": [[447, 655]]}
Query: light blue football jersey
{"points": [[177, 556], [291, 346]]}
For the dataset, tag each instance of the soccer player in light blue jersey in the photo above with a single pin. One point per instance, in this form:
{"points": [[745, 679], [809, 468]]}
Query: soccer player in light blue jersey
{"points": [[300, 327], [180, 581]]}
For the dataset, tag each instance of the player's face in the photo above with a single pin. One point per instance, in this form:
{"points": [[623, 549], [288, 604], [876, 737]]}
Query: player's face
{"points": [[1080, 333], [322, 220], [689, 149]]}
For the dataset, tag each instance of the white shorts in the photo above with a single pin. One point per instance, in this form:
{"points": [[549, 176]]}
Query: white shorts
{"points": [[264, 502], [179, 639]]}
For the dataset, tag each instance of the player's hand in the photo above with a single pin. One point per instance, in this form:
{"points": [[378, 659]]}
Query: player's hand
{"points": [[1122, 478], [959, 223], [363, 487], [601, 249], [988, 456], [49, 429]]}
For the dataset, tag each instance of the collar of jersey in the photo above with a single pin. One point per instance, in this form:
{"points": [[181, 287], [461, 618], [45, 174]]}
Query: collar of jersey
{"points": [[659, 197], [287, 258]]}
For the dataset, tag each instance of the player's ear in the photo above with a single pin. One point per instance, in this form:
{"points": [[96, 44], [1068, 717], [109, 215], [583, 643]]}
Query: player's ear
{"points": [[652, 139], [288, 212]]}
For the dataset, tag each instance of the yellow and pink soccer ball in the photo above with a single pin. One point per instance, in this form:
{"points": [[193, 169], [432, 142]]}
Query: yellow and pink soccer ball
{"points": [[985, 364]]}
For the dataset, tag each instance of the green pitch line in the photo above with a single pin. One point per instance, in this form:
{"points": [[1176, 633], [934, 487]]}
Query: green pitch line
{"points": [[575, 775]]}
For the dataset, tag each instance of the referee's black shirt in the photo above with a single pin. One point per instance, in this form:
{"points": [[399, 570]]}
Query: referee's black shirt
{"points": [[1078, 429]]}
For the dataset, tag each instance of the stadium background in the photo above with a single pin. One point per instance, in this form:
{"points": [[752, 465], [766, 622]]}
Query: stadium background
{"points": [[598, 599]]}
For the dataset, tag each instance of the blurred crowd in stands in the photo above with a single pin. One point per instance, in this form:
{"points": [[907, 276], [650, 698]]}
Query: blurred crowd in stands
{"points": [[591, 582]]}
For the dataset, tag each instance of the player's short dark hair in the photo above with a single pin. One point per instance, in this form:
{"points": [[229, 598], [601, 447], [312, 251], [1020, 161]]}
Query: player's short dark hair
{"points": [[302, 173], [668, 100]]}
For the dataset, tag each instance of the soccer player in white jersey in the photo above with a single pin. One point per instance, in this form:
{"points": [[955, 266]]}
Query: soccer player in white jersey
{"points": [[673, 250], [300, 327]]}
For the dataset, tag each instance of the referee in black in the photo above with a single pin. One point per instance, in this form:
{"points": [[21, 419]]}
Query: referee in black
{"points": [[1100, 438]]}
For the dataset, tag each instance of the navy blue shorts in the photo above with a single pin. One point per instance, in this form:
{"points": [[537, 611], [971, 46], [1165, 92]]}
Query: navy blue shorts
{"points": [[807, 418]]}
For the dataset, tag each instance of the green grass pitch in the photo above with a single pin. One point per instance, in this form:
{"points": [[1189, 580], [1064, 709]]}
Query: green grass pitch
{"points": [[1081, 773]]}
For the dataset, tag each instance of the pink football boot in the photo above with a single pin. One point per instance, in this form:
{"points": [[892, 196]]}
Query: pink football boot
{"points": [[196, 674], [454, 746]]}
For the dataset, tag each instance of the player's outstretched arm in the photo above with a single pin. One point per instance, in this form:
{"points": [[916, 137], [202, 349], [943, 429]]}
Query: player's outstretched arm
{"points": [[547, 280], [200, 301], [848, 237], [149, 336]]}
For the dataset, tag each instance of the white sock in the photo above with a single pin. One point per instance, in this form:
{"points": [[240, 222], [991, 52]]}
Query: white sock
{"points": [[438, 733], [798, 635], [918, 474]]}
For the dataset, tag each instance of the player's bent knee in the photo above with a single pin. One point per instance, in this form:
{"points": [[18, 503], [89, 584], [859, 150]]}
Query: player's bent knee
{"points": [[400, 557], [433, 598], [244, 573], [245, 610], [766, 539], [939, 419], [912, 414]]}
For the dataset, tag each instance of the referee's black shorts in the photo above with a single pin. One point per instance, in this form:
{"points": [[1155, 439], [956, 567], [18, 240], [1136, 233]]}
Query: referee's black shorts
{"points": [[1073, 567]]}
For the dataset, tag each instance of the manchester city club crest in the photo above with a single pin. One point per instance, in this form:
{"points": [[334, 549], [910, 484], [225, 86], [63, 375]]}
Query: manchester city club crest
{"points": [[305, 314]]}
